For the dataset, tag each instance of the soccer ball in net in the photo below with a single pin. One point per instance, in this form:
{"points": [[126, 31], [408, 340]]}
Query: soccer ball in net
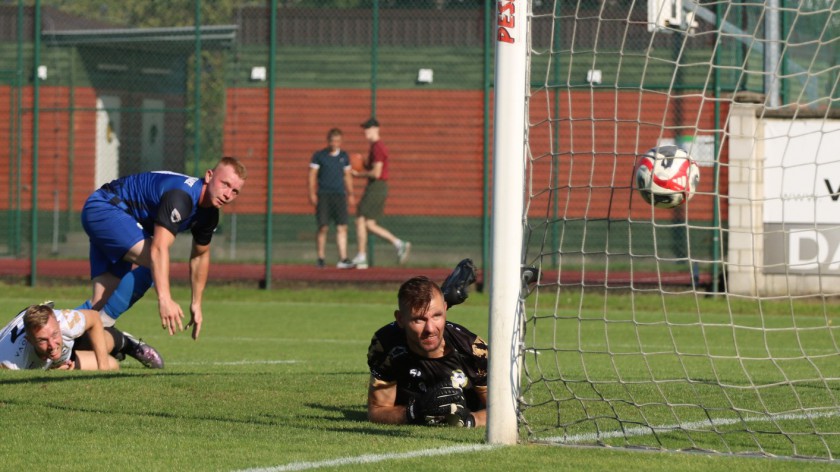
{"points": [[667, 177]]}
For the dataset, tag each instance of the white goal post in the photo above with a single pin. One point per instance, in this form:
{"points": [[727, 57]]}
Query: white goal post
{"points": [[509, 148], [709, 326]]}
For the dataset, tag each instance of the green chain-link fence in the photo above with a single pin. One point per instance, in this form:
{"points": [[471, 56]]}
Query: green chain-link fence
{"points": [[94, 89], [100, 89]]}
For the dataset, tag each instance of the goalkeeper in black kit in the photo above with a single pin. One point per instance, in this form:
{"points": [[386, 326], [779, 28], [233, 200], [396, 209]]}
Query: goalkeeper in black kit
{"points": [[424, 369]]}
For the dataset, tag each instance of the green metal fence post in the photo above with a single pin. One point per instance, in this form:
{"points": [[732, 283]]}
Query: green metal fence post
{"points": [[374, 56], [71, 145], [784, 70], [197, 89], [555, 156], [272, 69], [489, 9], [18, 137], [374, 61], [716, 250], [36, 59]]}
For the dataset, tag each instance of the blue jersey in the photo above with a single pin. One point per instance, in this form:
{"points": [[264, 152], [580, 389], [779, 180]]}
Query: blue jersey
{"points": [[167, 199]]}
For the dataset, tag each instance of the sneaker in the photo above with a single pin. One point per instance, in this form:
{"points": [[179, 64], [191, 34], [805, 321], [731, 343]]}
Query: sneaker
{"points": [[454, 288], [402, 251], [321, 263], [360, 261], [345, 264], [145, 354]]}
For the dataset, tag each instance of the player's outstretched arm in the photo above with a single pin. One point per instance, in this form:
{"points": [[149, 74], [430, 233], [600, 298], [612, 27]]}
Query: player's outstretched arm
{"points": [[481, 415], [199, 271], [381, 405], [170, 312], [441, 405], [96, 333]]}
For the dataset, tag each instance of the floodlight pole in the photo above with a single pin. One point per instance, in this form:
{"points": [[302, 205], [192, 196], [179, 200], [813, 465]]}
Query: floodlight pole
{"points": [[511, 87]]}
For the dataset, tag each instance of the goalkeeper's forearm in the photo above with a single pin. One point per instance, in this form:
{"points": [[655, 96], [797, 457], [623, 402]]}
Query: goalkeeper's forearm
{"points": [[480, 417], [387, 414]]}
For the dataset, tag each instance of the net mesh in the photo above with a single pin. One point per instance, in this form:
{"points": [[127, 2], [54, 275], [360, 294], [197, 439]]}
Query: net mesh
{"points": [[707, 326]]}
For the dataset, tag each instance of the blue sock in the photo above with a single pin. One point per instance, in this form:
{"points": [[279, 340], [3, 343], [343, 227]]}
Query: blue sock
{"points": [[84, 306], [132, 287]]}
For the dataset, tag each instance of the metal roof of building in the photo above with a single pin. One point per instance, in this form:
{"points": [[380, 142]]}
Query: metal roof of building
{"points": [[172, 39]]}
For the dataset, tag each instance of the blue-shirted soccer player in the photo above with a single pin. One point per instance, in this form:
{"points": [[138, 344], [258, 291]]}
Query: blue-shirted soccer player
{"points": [[133, 221]]}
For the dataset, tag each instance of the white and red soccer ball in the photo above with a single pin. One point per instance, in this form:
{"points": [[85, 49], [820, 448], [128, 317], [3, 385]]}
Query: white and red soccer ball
{"points": [[667, 177]]}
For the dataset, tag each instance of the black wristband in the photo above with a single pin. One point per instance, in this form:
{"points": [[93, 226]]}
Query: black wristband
{"points": [[470, 421], [410, 414]]}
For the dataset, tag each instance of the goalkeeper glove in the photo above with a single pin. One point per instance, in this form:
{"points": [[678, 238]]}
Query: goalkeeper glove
{"points": [[454, 288], [462, 419], [437, 405]]}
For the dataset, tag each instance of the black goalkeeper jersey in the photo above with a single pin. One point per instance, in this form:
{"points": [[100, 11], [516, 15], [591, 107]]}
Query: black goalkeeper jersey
{"points": [[464, 364]]}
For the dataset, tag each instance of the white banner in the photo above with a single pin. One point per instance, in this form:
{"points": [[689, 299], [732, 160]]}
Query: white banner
{"points": [[802, 171]]}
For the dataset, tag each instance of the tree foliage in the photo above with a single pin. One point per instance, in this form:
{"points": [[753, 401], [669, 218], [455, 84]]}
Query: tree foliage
{"points": [[152, 13]]}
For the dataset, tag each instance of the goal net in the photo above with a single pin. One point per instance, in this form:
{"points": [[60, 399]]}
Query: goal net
{"points": [[708, 326]]}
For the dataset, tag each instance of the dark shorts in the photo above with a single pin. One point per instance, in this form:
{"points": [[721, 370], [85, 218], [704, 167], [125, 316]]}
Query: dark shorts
{"points": [[331, 207], [112, 232], [372, 205]]}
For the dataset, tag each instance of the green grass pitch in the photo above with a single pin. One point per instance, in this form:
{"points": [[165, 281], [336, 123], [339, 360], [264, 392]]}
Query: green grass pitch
{"points": [[277, 381]]}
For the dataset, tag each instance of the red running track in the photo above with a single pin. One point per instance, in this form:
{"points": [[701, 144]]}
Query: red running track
{"points": [[244, 273]]}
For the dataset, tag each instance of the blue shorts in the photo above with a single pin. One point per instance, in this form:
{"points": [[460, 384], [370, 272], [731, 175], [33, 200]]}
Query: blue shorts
{"points": [[112, 232]]}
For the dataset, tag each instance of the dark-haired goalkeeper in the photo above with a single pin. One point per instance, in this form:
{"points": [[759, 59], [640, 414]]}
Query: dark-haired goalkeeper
{"points": [[424, 369]]}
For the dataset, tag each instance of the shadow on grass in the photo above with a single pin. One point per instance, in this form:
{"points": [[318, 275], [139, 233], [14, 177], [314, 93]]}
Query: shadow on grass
{"points": [[348, 414], [75, 377], [355, 415], [359, 415]]}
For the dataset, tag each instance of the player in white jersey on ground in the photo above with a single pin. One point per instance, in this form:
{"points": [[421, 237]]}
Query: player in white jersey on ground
{"points": [[41, 337]]}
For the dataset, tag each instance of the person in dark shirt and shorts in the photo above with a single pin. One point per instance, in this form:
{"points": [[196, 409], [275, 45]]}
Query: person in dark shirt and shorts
{"points": [[330, 187], [424, 369]]}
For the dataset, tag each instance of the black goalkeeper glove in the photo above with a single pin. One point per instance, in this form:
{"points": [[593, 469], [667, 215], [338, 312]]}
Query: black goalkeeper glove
{"points": [[441, 405], [462, 419], [454, 288]]}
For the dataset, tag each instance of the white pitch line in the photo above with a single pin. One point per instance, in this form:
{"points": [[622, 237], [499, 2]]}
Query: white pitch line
{"points": [[642, 431], [236, 362], [580, 438], [290, 340], [371, 458]]}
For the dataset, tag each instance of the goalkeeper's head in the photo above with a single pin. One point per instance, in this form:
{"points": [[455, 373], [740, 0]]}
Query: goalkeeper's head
{"points": [[422, 315]]}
